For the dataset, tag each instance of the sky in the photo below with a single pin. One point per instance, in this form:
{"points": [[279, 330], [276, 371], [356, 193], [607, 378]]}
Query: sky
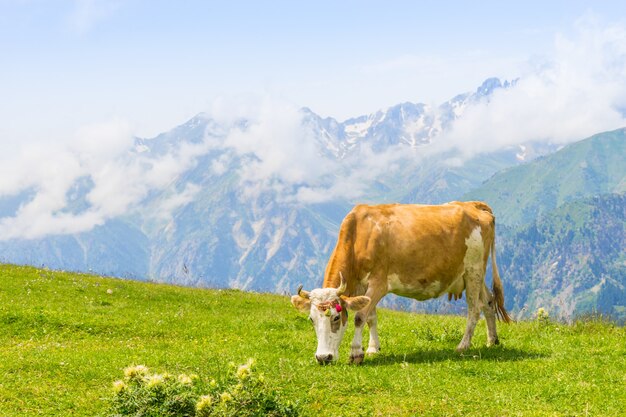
{"points": [[80, 79], [154, 64]]}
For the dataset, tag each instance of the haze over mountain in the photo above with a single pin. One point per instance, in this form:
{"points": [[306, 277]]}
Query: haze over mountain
{"points": [[218, 197], [255, 202]]}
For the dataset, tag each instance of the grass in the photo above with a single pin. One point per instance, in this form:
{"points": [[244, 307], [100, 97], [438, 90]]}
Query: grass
{"points": [[66, 337]]}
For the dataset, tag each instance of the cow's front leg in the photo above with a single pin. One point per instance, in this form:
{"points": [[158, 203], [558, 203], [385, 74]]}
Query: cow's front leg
{"points": [[374, 344], [356, 349], [361, 317]]}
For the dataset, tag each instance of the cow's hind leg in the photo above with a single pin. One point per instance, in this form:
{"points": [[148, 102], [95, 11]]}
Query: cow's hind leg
{"points": [[489, 310], [473, 283], [374, 344]]}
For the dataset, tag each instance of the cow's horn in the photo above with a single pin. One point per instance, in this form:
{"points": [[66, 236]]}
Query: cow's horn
{"points": [[342, 286], [302, 293]]}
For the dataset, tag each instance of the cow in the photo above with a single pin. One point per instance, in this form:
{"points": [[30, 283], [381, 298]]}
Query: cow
{"points": [[412, 250]]}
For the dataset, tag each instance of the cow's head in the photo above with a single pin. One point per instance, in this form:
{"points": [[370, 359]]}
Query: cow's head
{"points": [[328, 311]]}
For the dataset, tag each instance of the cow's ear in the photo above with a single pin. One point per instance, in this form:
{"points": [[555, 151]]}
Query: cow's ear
{"points": [[356, 303], [301, 304]]}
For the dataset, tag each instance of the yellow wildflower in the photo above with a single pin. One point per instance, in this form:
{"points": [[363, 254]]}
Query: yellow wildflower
{"points": [[185, 379], [135, 372], [119, 386], [243, 372], [203, 406], [154, 380]]}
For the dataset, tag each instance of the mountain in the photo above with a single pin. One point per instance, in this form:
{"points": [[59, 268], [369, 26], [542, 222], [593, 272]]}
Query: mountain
{"points": [[411, 124], [570, 261], [232, 234], [228, 221], [225, 238], [561, 235], [117, 248], [590, 167]]}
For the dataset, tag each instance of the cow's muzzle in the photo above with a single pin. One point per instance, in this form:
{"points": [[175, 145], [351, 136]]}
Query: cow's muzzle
{"points": [[324, 359]]}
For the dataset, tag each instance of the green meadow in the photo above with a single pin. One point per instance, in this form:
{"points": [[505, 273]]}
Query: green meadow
{"points": [[66, 337]]}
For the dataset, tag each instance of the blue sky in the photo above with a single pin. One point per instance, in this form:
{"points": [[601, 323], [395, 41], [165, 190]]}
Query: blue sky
{"points": [[67, 64]]}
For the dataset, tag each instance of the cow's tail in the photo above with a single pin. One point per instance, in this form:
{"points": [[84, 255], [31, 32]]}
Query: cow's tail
{"points": [[498, 291]]}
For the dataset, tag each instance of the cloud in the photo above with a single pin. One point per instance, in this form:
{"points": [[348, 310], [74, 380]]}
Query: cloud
{"points": [[354, 176], [579, 91], [280, 154], [277, 151], [175, 201], [119, 180]]}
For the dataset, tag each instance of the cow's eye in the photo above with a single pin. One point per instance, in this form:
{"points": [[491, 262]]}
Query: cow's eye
{"points": [[336, 318]]}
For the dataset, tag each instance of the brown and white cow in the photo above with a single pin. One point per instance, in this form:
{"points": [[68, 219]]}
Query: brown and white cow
{"points": [[412, 250]]}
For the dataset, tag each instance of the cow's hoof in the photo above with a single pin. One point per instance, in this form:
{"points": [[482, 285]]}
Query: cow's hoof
{"points": [[493, 342], [357, 359], [461, 348], [372, 351]]}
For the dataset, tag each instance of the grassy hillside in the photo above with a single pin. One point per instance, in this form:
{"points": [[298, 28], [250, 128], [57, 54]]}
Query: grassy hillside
{"points": [[593, 166], [65, 338]]}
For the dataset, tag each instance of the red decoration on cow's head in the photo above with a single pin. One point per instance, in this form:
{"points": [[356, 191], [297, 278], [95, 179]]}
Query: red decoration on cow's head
{"points": [[338, 307]]}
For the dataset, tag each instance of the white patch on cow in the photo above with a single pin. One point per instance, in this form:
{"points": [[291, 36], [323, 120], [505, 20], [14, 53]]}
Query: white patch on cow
{"points": [[474, 256], [327, 341], [320, 295], [472, 261]]}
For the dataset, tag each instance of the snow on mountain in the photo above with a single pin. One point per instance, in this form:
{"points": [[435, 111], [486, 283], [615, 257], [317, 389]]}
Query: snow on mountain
{"points": [[412, 124]]}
